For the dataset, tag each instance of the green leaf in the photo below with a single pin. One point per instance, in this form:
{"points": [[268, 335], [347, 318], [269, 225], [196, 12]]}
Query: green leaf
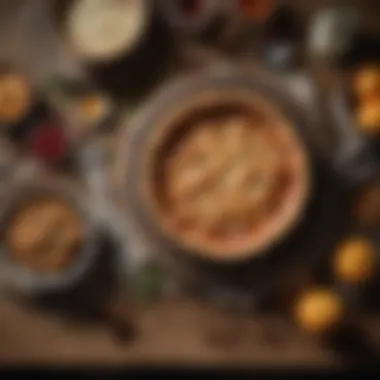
{"points": [[148, 284]]}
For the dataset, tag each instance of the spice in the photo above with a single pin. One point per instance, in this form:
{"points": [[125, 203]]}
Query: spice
{"points": [[366, 85], [319, 311], [92, 108], [369, 117], [15, 98], [354, 261], [367, 82], [45, 235]]}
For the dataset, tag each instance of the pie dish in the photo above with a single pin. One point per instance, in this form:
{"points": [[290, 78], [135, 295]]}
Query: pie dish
{"points": [[52, 200], [45, 235], [170, 112], [226, 175]]}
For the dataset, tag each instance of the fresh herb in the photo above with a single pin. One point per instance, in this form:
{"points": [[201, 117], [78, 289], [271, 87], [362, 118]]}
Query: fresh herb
{"points": [[149, 282]]}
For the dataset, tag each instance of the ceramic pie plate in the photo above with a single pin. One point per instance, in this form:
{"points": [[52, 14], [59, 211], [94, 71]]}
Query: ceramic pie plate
{"points": [[214, 186], [147, 129], [301, 250], [20, 279]]}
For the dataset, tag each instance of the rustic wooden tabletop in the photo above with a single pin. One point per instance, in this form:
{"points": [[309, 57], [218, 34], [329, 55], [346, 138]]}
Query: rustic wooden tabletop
{"points": [[181, 332], [172, 332]]}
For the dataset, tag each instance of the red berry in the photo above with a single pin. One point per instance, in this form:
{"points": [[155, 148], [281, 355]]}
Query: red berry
{"points": [[48, 143]]}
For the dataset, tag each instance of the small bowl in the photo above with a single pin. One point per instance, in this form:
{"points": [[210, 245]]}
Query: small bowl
{"points": [[67, 96], [20, 279], [60, 12]]}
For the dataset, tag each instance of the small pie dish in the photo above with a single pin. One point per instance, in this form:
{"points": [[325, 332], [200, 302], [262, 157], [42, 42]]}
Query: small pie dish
{"points": [[48, 236]]}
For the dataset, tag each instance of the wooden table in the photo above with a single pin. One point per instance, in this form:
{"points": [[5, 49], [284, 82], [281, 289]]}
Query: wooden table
{"points": [[172, 332]]}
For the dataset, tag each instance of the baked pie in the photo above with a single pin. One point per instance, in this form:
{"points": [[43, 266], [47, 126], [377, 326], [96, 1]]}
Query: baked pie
{"points": [[230, 183], [45, 235]]}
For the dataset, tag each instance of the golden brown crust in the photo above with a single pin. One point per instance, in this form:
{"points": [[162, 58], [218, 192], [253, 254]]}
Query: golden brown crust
{"points": [[45, 235], [218, 189]]}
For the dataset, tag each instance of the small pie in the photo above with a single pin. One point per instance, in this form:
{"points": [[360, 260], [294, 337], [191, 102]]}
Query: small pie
{"points": [[45, 235]]}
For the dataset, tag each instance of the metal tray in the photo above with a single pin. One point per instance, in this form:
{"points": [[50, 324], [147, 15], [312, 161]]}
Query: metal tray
{"points": [[305, 249]]}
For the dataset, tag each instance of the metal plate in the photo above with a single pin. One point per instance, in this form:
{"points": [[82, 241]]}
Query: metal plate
{"points": [[310, 244]]}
